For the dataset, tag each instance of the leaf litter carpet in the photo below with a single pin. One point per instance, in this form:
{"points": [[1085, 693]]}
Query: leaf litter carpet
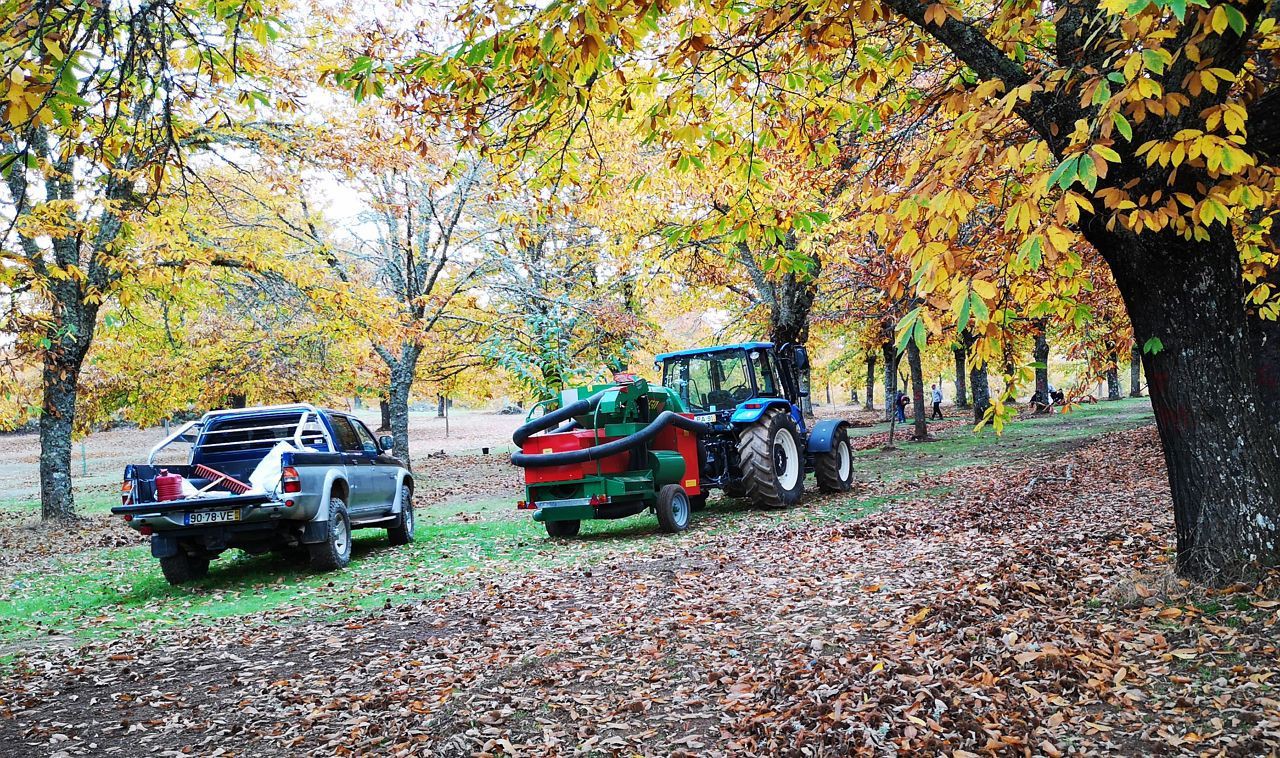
{"points": [[1006, 609]]}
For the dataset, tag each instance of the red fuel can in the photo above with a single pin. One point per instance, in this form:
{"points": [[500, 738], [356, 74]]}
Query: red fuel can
{"points": [[168, 486]]}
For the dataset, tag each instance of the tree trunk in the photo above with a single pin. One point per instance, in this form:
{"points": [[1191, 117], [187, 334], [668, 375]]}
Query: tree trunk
{"points": [[917, 390], [56, 424], [870, 402], [237, 400], [1135, 371], [1113, 381], [1219, 436], [962, 393], [384, 412], [981, 390], [1041, 357], [398, 401], [70, 336], [439, 406], [890, 356]]}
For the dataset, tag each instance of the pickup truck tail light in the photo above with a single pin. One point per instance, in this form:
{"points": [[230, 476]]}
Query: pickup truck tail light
{"points": [[126, 492], [289, 481]]}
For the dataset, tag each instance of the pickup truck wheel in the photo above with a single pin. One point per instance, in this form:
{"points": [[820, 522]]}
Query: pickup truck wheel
{"points": [[402, 532], [183, 568], [834, 469], [335, 552], [563, 528], [673, 509]]}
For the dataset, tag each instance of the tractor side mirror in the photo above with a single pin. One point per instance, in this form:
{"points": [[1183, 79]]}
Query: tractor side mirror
{"points": [[386, 442], [801, 357]]}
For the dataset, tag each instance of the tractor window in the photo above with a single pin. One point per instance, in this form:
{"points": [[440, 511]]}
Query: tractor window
{"points": [[763, 370], [709, 382]]}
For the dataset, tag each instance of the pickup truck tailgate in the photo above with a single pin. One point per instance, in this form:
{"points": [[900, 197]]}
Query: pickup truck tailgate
{"points": [[193, 504]]}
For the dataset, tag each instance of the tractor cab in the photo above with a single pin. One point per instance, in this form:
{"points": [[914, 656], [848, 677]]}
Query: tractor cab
{"points": [[725, 380]]}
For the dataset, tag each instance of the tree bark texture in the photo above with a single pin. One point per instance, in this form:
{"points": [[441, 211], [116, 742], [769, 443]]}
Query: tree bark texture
{"points": [[1041, 358], [1113, 382], [889, 354], [69, 337], [870, 402], [1205, 383], [1135, 371], [962, 392], [917, 390], [981, 390], [384, 413]]}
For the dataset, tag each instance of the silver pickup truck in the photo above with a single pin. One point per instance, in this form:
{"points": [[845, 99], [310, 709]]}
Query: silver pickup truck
{"points": [[283, 477]]}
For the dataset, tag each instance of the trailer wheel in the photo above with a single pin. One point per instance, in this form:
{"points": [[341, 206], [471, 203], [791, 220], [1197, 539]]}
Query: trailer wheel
{"points": [[402, 532], [673, 509], [183, 567], [834, 468], [335, 551], [772, 463], [562, 529]]}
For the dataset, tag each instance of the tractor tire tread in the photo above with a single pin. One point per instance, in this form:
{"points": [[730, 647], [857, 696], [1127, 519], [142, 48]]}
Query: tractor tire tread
{"points": [[826, 467], [755, 456]]}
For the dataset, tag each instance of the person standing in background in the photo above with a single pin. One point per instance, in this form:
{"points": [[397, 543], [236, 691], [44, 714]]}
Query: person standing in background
{"points": [[937, 402]]}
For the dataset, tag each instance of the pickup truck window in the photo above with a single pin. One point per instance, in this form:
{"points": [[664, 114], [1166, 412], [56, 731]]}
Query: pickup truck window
{"points": [[366, 437], [347, 437]]}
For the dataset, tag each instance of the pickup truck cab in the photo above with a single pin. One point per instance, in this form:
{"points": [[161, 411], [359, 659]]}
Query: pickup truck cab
{"points": [[284, 477]]}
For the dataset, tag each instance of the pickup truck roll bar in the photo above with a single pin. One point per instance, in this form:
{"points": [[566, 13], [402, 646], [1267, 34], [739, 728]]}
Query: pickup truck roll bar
{"points": [[307, 414]]}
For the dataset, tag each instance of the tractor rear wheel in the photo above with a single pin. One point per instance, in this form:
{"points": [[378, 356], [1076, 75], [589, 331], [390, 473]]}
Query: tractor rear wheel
{"points": [[834, 468], [563, 528], [772, 461], [673, 508]]}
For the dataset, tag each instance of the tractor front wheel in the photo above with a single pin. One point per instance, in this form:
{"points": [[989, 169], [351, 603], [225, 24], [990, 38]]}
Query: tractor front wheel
{"points": [[673, 508], [772, 461], [562, 529], [834, 468]]}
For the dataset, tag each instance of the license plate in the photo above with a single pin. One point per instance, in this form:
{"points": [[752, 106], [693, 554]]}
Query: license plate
{"points": [[212, 517], [709, 418]]}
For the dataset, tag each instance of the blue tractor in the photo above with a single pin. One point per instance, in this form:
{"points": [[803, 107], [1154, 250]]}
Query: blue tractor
{"points": [[755, 442]]}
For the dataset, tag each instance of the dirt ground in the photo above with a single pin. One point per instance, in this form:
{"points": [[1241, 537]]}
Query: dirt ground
{"points": [[1020, 607]]}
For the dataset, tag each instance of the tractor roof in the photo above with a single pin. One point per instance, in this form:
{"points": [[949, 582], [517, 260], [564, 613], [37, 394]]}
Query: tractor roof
{"points": [[715, 349]]}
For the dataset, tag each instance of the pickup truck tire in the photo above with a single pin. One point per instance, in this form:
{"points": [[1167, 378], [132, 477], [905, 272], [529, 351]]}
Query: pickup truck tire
{"points": [[834, 468], [563, 528], [673, 509], [769, 452], [402, 532], [335, 551], [183, 567]]}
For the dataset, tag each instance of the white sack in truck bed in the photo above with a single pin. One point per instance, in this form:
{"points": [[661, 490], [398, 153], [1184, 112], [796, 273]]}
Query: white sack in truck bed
{"points": [[267, 475]]}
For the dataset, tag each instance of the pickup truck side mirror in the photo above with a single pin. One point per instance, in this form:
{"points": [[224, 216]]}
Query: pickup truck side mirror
{"points": [[386, 442]]}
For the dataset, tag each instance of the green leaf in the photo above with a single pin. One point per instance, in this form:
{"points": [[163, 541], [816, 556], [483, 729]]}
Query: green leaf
{"points": [[1153, 346], [907, 327], [1122, 126], [1179, 8], [1235, 19], [962, 321], [1153, 62]]}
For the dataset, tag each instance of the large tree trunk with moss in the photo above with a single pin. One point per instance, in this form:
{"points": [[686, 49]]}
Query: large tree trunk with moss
{"points": [[69, 336], [404, 369], [1218, 429], [869, 403], [917, 390]]}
